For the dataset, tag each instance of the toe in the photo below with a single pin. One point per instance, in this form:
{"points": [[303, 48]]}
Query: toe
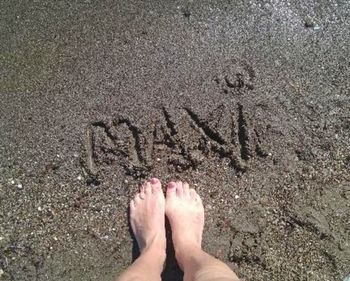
{"points": [[171, 189], [186, 189], [195, 196], [148, 187], [193, 193], [179, 189], [138, 198], [142, 187], [132, 205], [156, 185], [198, 198]]}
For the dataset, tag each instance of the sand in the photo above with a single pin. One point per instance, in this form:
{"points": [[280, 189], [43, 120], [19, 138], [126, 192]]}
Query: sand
{"points": [[248, 101]]}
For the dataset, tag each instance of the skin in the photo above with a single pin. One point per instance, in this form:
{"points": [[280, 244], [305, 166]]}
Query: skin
{"points": [[185, 212]]}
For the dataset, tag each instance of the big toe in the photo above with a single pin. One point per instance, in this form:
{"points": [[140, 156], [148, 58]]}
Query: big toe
{"points": [[171, 189], [156, 185], [180, 191]]}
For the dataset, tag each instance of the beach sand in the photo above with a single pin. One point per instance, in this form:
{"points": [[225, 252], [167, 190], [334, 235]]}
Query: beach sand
{"points": [[248, 101]]}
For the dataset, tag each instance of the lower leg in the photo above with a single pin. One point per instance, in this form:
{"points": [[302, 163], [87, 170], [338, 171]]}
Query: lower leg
{"points": [[148, 266], [185, 211], [200, 266], [147, 211]]}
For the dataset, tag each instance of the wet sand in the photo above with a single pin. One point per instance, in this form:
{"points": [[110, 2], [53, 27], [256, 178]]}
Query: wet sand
{"points": [[249, 102]]}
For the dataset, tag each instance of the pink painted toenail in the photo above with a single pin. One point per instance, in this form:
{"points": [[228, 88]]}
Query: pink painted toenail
{"points": [[154, 180]]}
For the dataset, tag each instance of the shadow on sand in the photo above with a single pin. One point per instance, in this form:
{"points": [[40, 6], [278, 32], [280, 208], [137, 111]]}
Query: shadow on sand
{"points": [[172, 271]]}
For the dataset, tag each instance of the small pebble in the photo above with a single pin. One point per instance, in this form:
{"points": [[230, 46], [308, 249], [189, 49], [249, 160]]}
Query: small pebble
{"points": [[55, 238], [20, 186], [236, 196], [40, 209], [79, 178], [317, 27], [309, 24], [1, 272], [126, 181], [12, 182], [158, 159]]}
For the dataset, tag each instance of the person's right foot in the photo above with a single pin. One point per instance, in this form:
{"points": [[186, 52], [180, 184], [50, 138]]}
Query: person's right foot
{"points": [[185, 212], [147, 217]]}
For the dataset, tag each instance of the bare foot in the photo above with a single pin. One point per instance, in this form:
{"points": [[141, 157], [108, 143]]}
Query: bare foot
{"points": [[185, 212], [147, 217]]}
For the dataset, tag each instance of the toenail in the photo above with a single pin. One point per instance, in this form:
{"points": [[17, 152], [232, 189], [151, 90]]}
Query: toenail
{"points": [[172, 184], [154, 180]]}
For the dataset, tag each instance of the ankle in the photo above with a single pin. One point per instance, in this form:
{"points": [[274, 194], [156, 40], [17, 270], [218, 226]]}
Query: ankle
{"points": [[185, 251], [156, 248], [185, 243]]}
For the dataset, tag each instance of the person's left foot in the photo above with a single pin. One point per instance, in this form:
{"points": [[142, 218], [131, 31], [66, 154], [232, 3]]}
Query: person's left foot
{"points": [[147, 217]]}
